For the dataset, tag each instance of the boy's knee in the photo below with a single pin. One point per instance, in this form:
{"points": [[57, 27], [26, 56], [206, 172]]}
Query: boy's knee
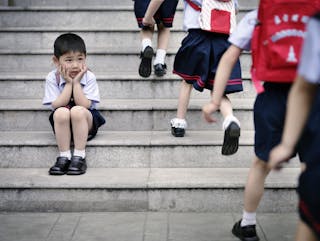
{"points": [[78, 112], [61, 115], [260, 165]]}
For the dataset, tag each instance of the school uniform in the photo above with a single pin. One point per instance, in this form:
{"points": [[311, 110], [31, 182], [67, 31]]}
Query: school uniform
{"points": [[54, 86], [309, 69], [270, 106], [164, 15], [198, 57]]}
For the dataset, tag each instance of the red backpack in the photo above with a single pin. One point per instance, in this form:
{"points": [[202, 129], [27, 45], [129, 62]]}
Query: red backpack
{"points": [[277, 39]]}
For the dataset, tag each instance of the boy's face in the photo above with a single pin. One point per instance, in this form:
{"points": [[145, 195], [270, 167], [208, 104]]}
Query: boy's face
{"points": [[73, 62]]}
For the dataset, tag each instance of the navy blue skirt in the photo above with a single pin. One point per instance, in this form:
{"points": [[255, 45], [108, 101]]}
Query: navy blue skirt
{"points": [[198, 57]]}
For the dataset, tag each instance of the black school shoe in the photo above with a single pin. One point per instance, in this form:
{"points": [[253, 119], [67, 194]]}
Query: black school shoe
{"points": [[145, 65], [246, 233], [160, 69], [77, 166], [231, 139], [60, 167]]}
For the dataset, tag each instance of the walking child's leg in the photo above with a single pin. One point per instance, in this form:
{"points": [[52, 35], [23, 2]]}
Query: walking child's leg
{"points": [[160, 68], [245, 229], [231, 127], [146, 51], [304, 233], [179, 124], [254, 189]]}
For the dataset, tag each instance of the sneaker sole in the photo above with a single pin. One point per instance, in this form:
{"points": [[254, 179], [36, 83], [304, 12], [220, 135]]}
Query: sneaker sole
{"points": [[245, 239], [160, 73], [177, 132], [74, 173], [231, 139], [145, 65]]}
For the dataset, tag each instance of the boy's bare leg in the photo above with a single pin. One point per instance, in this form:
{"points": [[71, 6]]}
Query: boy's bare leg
{"points": [[163, 37], [160, 67], [62, 128], [254, 189], [147, 33], [226, 107], [304, 233], [81, 120], [184, 98]]}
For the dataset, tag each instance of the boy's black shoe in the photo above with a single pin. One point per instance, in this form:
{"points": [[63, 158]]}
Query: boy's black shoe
{"points": [[145, 65], [160, 69], [178, 127], [246, 233], [231, 139], [77, 166], [60, 167]]}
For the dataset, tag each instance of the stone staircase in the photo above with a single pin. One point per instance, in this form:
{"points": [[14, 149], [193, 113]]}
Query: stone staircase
{"points": [[134, 162]]}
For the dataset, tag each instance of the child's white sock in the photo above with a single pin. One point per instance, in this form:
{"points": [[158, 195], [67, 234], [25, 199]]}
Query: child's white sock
{"points": [[160, 56], [145, 43], [248, 219], [81, 153], [228, 120], [66, 154]]}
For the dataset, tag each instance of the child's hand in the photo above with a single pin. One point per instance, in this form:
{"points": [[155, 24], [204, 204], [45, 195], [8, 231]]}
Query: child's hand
{"points": [[278, 156], [79, 76], [208, 110], [148, 22], [65, 73]]}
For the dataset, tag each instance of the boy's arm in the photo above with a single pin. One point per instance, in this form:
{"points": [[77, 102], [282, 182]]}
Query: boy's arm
{"points": [[226, 64], [152, 9], [78, 95], [300, 102], [64, 98]]}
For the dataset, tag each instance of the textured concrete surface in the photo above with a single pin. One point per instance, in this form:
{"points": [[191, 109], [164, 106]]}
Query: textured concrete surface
{"points": [[139, 226]]}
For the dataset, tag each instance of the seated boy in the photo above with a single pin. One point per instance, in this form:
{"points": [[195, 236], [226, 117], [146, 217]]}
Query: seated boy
{"points": [[72, 92]]}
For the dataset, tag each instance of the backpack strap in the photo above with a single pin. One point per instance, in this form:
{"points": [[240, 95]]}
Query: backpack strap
{"points": [[193, 5], [58, 77]]}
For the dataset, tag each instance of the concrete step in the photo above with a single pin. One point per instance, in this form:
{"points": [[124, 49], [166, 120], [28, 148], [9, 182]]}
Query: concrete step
{"points": [[142, 189], [99, 63], [96, 18], [23, 40], [114, 149], [98, 3], [122, 114], [113, 86]]}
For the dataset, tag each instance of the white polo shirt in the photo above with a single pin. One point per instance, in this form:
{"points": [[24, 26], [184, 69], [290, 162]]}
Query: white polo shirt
{"points": [[242, 35], [309, 66], [54, 87]]}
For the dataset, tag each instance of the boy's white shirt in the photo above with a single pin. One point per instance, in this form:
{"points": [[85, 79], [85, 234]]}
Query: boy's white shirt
{"points": [[191, 16], [309, 67], [89, 87], [242, 35]]}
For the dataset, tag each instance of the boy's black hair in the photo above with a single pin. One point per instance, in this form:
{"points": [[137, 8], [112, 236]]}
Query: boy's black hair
{"points": [[69, 42]]}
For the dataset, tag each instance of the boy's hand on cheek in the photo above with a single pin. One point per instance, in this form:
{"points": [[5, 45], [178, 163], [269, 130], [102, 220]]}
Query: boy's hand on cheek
{"points": [[79, 76], [65, 73]]}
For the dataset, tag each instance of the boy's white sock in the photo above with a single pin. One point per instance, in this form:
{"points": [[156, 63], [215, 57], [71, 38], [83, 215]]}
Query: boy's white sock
{"points": [[160, 56], [81, 153], [66, 154], [228, 120], [248, 219], [146, 42]]}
